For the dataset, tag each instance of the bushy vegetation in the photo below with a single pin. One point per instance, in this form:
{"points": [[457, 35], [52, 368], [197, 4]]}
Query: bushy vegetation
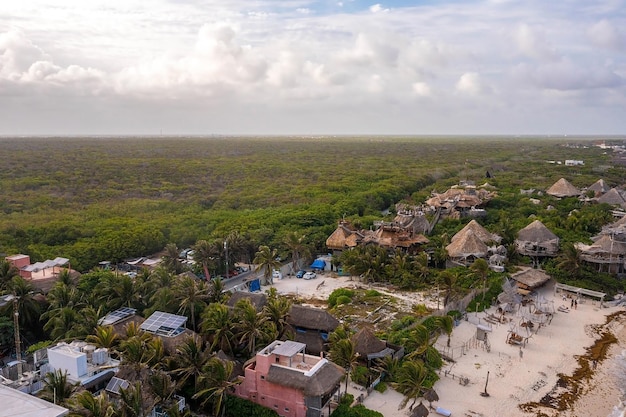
{"points": [[344, 409]]}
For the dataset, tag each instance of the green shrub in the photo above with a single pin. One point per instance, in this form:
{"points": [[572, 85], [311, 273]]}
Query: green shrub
{"points": [[339, 292], [381, 387], [372, 293], [359, 375], [236, 407], [344, 299]]}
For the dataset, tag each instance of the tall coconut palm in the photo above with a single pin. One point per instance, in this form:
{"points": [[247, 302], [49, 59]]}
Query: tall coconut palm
{"points": [[28, 308], [251, 327], [104, 337], [85, 404], [170, 259], [344, 354], [216, 383], [191, 295], [411, 378], [207, 254], [277, 311], [190, 358], [217, 326], [216, 291], [132, 404], [265, 260], [57, 388], [7, 272], [62, 324], [448, 279], [296, 244], [569, 260], [480, 268]]}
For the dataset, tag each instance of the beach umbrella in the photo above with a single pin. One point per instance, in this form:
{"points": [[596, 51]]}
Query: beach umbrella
{"points": [[420, 411], [430, 396]]}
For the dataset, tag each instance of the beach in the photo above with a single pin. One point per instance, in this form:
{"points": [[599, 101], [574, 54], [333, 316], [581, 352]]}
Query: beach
{"points": [[557, 368]]}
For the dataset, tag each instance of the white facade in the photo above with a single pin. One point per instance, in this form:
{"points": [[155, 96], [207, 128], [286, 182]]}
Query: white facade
{"points": [[69, 358]]}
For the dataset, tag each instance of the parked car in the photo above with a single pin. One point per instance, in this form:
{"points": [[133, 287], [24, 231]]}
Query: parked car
{"points": [[300, 273], [309, 275], [277, 274]]}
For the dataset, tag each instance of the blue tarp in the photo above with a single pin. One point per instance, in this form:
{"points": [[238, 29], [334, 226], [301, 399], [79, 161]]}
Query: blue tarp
{"points": [[318, 264], [255, 285]]}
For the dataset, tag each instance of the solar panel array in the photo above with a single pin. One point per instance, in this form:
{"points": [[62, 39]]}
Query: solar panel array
{"points": [[117, 315], [165, 324], [116, 384]]}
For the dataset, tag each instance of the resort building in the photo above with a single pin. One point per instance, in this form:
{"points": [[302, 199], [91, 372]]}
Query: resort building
{"points": [[285, 379], [537, 242]]}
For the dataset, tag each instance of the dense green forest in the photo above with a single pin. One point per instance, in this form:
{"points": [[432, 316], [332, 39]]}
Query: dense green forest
{"points": [[93, 199]]}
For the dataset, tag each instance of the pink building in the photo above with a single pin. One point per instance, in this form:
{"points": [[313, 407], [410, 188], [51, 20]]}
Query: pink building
{"points": [[285, 379]]}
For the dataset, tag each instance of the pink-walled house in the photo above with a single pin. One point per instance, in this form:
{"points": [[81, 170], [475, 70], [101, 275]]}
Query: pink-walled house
{"points": [[285, 379]]}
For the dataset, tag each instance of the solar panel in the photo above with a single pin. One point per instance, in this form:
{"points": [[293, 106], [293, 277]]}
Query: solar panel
{"points": [[165, 324], [116, 384], [117, 315]]}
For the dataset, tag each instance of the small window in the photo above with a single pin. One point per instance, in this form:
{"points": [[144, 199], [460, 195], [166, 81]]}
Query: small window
{"points": [[277, 359], [276, 406], [286, 409], [262, 376]]}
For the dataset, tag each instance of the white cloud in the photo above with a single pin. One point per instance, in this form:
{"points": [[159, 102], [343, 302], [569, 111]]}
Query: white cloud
{"points": [[378, 8], [422, 89], [533, 42], [604, 34], [470, 84]]}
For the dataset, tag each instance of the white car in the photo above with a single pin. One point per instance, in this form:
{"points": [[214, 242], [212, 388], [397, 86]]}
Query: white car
{"points": [[276, 274], [309, 275]]}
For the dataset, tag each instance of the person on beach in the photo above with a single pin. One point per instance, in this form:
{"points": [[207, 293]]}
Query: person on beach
{"points": [[521, 353]]}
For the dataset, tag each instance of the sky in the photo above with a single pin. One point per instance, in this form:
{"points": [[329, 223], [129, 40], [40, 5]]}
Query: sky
{"points": [[312, 67]]}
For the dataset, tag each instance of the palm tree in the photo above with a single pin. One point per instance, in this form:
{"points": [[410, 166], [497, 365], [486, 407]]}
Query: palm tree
{"points": [[28, 308], [216, 291], [190, 358], [57, 388], [206, 254], [298, 248], [569, 260], [62, 324], [217, 325], [171, 261], [104, 337], [480, 268], [342, 353], [131, 404], [448, 279], [265, 259], [410, 381], [7, 272], [277, 311], [191, 295], [216, 383], [85, 404], [251, 327]]}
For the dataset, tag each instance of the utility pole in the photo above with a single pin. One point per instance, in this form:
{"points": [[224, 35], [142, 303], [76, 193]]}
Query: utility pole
{"points": [[18, 343], [226, 250]]}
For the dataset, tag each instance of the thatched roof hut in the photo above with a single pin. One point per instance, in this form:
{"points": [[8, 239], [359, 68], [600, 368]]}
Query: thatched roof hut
{"points": [[529, 278], [613, 197], [599, 187], [537, 240], [369, 347], [258, 300], [344, 236], [483, 234], [563, 188], [466, 248], [312, 318], [390, 237]]}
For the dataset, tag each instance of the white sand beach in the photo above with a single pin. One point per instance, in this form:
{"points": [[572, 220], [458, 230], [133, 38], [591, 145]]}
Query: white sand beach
{"points": [[514, 379]]}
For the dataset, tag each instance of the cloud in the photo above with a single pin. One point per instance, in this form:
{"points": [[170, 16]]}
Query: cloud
{"points": [[605, 35], [421, 89], [470, 83], [377, 8], [533, 42]]}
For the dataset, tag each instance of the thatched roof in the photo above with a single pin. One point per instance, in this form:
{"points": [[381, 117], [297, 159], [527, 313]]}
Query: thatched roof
{"points": [[258, 300], [530, 278], [312, 318], [599, 187], [536, 232], [321, 383], [483, 234], [365, 342], [604, 245], [420, 410], [395, 237], [613, 197], [467, 244], [344, 236], [563, 188], [416, 223]]}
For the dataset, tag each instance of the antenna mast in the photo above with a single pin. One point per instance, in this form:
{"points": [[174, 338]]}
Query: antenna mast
{"points": [[18, 343]]}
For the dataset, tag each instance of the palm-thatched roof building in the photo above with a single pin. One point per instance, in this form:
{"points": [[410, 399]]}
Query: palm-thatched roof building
{"points": [[344, 237], [459, 202], [311, 326], [537, 242], [563, 188], [258, 300], [529, 279], [285, 379], [607, 254], [370, 347], [465, 248], [599, 187], [483, 234], [613, 197]]}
